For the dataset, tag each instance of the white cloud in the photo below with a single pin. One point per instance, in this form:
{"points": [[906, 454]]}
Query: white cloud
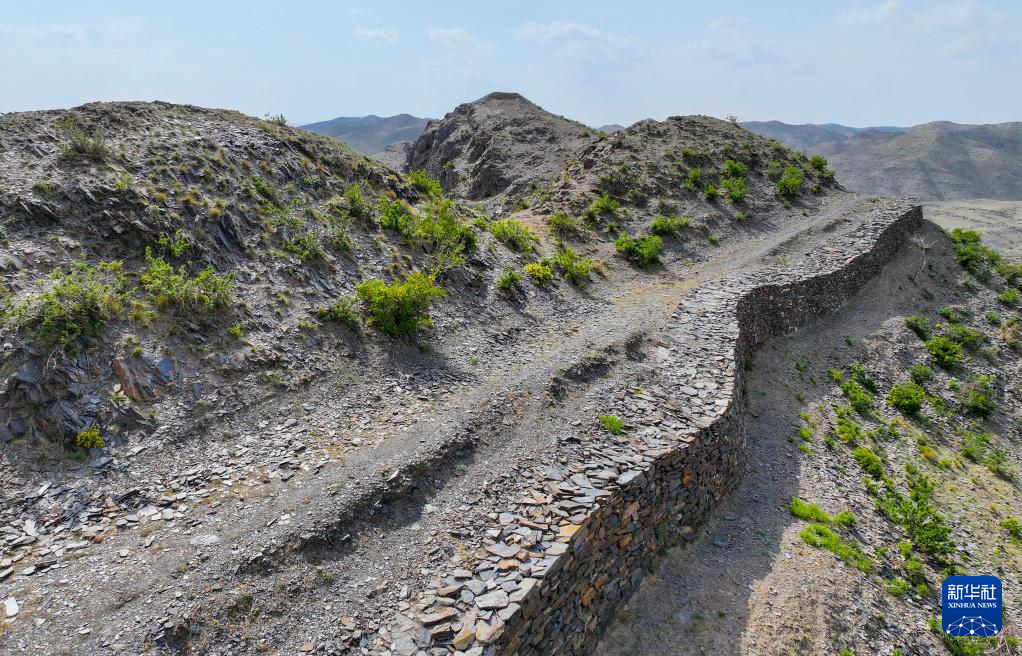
{"points": [[376, 36], [582, 41], [875, 15], [728, 22], [452, 37]]}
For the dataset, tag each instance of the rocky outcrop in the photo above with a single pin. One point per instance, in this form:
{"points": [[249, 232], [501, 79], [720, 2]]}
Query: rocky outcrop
{"points": [[499, 145]]}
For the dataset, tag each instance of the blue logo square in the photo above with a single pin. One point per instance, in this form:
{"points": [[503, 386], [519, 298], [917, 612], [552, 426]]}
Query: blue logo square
{"points": [[971, 606]]}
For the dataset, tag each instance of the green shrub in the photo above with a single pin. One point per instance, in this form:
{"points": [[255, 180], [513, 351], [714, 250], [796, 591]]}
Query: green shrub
{"points": [[424, 182], [962, 334], [564, 224], [977, 402], [993, 318], [820, 536], [945, 353], [975, 445], [919, 324], [575, 268], [920, 373], [508, 279], [858, 396], [869, 462], [540, 274], [400, 308], [176, 288], [692, 178], [907, 397], [89, 438], [733, 169], [666, 226], [514, 234], [810, 512], [970, 252], [1014, 529], [613, 425], [439, 226], [818, 163], [394, 216], [80, 145], [1009, 297], [927, 528], [774, 170], [341, 311], [358, 206], [176, 245], [847, 430], [602, 207], [75, 308], [897, 587], [735, 188], [790, 184], [643, 251], [710, 193], [844, 518]]}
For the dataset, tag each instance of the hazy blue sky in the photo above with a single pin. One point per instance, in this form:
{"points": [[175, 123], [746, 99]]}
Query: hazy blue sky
{"points": [[893, 62]]}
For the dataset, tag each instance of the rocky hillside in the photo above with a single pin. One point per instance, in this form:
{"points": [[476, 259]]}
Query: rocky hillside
{"points": [[370, 134], [498, 148], [934, 161]]}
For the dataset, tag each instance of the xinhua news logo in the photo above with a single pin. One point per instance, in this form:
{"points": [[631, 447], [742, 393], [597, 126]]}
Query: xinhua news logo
{"points": [[971, 606]]}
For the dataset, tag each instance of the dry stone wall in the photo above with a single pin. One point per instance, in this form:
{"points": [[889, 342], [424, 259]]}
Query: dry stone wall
{"points": [[557, 563]]}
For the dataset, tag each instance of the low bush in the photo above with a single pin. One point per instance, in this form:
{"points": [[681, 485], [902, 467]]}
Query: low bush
{"points": [[509, 279], [602, 207], [967, 337], [540, 274], [790, 184], [170, 287], [735, 188], [858, 396], [973, 255], [394, 216], [613, 424], [81, 145], [920, 373], [869, 462], [564, 224], [919, 324], [400, 308], [734, 169], [820, 536], [926, 528], [710, 193], [692, 179], [907, 397], [1014, 528], [341, 311], [89, 438], [642, 251], [945, 353], [667, 226], [897, 587], [574, 267], [75, 307], [424, 182], [810, 512], [514, 234], [1009, 297]]}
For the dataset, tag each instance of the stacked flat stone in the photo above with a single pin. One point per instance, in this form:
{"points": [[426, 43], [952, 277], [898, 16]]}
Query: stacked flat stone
{"points": [[560, 558]]}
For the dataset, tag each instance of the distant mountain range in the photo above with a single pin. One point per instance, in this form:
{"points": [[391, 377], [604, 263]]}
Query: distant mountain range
{"points": [[933, 161], [369, 134]]}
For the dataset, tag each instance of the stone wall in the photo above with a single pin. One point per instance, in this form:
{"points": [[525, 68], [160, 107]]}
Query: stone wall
{"points": [[651, 507], [555, 562]]}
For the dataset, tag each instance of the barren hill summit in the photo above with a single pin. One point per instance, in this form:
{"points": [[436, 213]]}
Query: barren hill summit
{"points": [[497, 148]]}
